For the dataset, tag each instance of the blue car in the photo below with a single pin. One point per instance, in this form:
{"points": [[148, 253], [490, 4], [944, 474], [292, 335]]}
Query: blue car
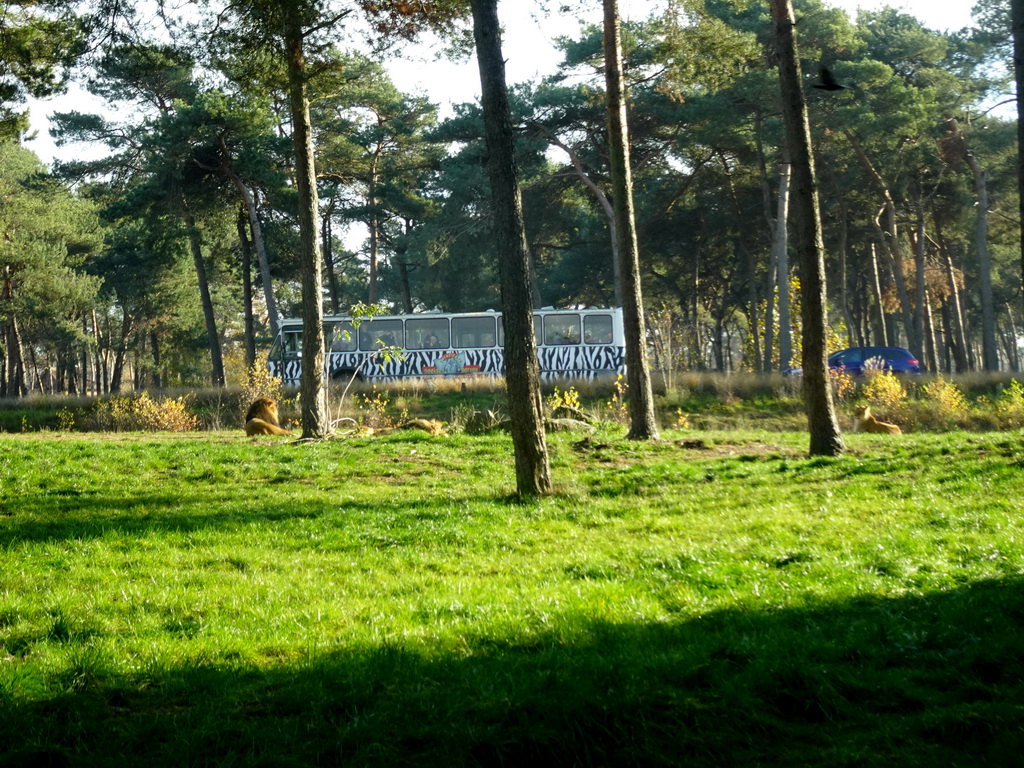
{"points": [[895, 359]]}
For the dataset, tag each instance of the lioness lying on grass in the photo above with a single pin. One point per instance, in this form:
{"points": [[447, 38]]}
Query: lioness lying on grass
{"points": [[863, 421]]}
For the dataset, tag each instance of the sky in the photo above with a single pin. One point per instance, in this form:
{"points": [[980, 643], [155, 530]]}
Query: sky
{"points": [[528, 47]]}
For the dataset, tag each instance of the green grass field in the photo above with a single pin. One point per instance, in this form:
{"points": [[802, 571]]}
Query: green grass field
{"points": [[713, 599]]}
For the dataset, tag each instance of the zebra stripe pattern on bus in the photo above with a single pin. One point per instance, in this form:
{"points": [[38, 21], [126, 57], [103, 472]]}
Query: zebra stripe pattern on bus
{"points": [[571, 361]]}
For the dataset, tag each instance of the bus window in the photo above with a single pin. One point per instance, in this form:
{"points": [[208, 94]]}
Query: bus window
{"points": [[473, 331], [562, 329], [373, 334], [293, 344], [597, 329], [342, 337], [427, 333]]}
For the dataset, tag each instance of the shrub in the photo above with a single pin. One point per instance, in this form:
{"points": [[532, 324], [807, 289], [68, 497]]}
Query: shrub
{"points": [[260, 382], [881, 388], [144, 414], [1009, 406], [947, 403], [844, 383], [65, 420], [570, 398], [616, 407], [375, 410], [682, 419]]}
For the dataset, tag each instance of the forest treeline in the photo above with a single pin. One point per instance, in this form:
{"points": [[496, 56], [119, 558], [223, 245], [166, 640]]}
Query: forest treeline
{"points": [[170, 259]]}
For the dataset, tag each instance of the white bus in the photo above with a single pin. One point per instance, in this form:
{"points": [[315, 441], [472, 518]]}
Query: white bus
{"points": [[571, 344]]}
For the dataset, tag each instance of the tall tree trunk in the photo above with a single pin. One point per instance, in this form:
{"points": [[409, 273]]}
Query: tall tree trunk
{"points": [[522, 373], [751, 262], [771, 279], [692, 308], [945, 351], [257, 240], [929, 330], [1017, 25], [844, 296], [313, 384], [927, 351], [825, 439], [958, 334], [781, 249], [117, 374], [139, 367], [881, 330], [216, 358], [84, 356], [753, 319], [327, 238], [15, 361], [403, 273], [14, 380], [70, 363], [886, 238], [990, 353], [771, 284], [250, 320], [890, 239], [102, 375], [374, 240], [643, 424], [1005, 342], [718, 347], [158, 378], [1013, 352], [65, 373], [403, 283], [972, 352], [35, 370], [602, 200], [61, 387]]}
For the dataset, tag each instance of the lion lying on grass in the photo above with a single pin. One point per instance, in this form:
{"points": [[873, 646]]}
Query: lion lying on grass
{"points": [[262, 419]]}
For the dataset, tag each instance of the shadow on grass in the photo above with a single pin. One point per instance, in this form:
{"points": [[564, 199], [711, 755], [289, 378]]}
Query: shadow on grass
{"points": [[914, 681]]}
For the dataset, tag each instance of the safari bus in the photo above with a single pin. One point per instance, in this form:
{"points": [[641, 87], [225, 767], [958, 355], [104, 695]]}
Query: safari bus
{"points": [[571, 344]]}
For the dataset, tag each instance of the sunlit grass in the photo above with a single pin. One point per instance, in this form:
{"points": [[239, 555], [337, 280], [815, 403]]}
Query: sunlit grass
{"points": [[714, 598]]}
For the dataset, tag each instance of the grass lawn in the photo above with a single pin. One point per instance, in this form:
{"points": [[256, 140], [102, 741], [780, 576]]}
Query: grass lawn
{"points": [[713, 599]]}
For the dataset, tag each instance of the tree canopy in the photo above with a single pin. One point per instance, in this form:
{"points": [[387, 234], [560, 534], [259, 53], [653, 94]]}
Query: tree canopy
{"points": [[397, 210]]}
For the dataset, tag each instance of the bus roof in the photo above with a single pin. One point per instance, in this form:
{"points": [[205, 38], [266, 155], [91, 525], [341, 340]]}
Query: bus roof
{"points": [[296, 322]]}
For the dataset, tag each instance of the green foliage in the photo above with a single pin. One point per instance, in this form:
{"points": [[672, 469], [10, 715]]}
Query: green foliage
{"points": [[705, 142], [39, 41], [47, 236]]}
